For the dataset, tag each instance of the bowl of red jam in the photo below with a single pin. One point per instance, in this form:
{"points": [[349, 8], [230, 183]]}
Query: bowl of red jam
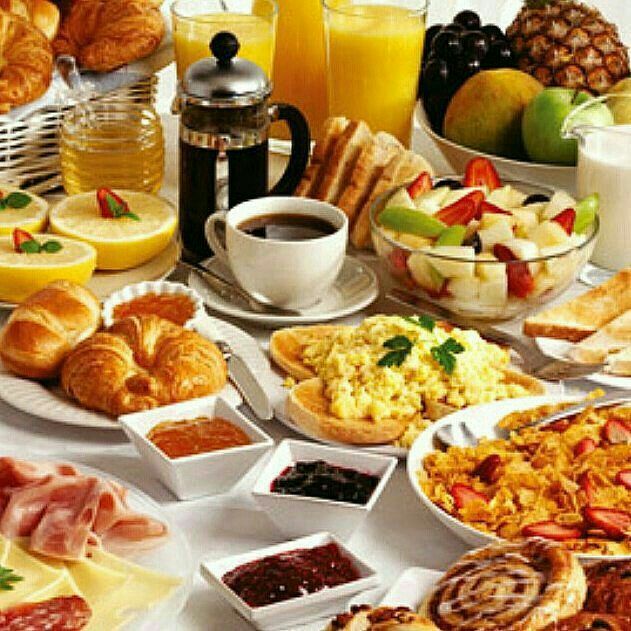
{"points": [[292, 583], [306, 487]]}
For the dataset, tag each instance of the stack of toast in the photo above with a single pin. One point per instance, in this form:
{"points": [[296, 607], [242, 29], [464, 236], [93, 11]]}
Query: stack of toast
{"points": [[598, 322], [351, 167]]}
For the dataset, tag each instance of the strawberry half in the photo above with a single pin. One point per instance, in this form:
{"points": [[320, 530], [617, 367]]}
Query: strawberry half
{"points": [[624, 478], [558, 426], [106, 198], [463, 495], [19, 237], [487, 207], [520, 280], [566, 219], [463, 211], [585, 446], [616, 523], [616, 432], [489, 469], [551, 530], [421, 184], [587, 486], [481, 172]]}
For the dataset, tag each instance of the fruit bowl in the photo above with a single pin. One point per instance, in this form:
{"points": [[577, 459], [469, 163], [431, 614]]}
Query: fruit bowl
{"points": [[472, 286]]}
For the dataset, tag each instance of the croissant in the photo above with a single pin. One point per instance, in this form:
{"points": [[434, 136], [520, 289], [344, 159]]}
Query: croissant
{"points": [[142, 362], [26, 61], [42, 13], [104, 35]]}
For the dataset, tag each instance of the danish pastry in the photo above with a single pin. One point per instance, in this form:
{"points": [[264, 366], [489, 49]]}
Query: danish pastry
{"points": [[365, 618], [609, 587], [521, 587], [592, 622]]}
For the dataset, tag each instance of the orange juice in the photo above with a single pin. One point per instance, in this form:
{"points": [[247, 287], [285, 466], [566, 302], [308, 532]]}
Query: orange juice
{"points": [[300, 66], [191, 38], [374, 59]]}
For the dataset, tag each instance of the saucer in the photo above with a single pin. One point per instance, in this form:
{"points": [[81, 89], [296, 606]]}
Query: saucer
{"points": [[355, 288]]}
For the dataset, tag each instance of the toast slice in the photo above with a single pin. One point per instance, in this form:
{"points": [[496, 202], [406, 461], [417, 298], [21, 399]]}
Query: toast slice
{"points": [[370, 165], [333, 128], [339, 167], [620, 363], [402, 168], [583, 316], [613, 337]]}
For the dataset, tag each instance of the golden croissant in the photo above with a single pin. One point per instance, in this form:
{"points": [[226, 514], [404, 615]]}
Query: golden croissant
{"points": [[142, 362], [106, 34], [45, 15]]}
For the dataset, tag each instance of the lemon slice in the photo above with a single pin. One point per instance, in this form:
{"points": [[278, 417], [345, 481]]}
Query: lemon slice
{"points": [[120, 243], [31, 218], [23, 274]]}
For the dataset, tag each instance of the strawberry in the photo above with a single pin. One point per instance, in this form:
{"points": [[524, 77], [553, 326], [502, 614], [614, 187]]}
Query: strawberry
{"points": [[19, 237], [520, 280], [551, 530], [463, 495], [399, 260], [489, 469], [481, 172], [421, 184], [558, 426], [587, 486], [110, 204], [463, 211], [616, 523], [616, 432], [624, 478], [566, 219], [487, 207], [585, 446]]}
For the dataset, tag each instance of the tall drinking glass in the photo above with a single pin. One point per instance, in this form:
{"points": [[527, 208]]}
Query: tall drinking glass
{"points": [[374, 50], [196, 21]]}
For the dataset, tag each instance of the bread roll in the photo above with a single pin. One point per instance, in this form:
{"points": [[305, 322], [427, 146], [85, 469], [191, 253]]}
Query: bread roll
{"points": [[46, 327]]}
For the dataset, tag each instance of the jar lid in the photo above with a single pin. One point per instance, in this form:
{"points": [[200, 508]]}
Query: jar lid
{"points": [[225, 80]]}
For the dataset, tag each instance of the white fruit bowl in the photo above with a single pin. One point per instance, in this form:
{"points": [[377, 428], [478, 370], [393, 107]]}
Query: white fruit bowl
{"points": [[553, 273]]}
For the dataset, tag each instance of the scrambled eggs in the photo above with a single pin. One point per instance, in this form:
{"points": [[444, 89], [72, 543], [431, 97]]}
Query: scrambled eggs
{"points": [[358, 387]]}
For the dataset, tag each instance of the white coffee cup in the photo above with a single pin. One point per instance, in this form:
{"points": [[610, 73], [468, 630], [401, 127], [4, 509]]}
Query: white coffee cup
{"points": [[287, 274]]}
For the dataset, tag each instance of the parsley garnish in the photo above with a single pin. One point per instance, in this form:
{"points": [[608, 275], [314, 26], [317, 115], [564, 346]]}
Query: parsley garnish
{"points": [[423, 320], [400, 347], [7, 578], [35, 247], [445, 354], [120, 210], [15, 200]]}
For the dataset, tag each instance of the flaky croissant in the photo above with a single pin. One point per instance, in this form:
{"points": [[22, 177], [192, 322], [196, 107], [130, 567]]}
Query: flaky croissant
{"points": [[104, 35], [26, 61], [140, 363], [42, 13]]}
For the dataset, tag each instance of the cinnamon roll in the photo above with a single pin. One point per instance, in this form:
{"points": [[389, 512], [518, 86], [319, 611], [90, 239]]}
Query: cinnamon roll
{"points": [[522, 587], [609, 587]]}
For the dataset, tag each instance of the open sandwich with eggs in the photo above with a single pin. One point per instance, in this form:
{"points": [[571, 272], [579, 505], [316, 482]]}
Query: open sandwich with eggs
{"points": [[385, 380]]}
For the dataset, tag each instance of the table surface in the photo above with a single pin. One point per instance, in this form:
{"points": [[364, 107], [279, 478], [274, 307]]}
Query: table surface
{"points": [[399, 533]]}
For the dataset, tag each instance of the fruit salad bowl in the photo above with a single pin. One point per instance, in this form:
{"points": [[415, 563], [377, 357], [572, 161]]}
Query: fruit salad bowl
{"points": [[523, 246]]}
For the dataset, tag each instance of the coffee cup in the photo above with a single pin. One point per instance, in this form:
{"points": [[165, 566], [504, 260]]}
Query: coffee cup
{"points": [[284, 251]]}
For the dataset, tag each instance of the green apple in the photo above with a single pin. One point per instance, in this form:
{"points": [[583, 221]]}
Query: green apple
{"points": [[543, 120]]}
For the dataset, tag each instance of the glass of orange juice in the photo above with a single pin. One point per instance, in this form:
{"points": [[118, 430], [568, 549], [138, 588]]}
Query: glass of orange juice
{"points": [[196, 21], [374, 50], [300, 65]]}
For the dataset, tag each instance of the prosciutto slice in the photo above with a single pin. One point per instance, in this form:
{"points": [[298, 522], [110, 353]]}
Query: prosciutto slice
{"points": [[63, 511]]}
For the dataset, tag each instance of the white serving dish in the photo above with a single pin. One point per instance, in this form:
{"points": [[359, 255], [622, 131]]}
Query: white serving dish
{"points": [[289, 613], [296, 515], [129, 293], [210, 473], [481, 420], [551, 175]]}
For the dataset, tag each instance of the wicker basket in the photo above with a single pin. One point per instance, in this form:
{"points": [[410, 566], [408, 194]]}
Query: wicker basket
{"points": [[29, 149]]}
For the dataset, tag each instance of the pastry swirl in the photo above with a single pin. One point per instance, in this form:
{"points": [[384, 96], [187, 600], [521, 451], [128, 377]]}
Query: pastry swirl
{"points": [[521, 587]]}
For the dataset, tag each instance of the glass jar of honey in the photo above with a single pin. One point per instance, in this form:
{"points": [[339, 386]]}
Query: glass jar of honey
{"points": [[112, 144]]}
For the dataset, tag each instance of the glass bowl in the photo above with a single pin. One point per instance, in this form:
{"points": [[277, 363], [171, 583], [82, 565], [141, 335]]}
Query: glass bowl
{"points": [[477, 289]]}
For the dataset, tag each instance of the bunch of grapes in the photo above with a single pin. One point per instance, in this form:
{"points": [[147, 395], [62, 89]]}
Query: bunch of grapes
{"points": [[455, 52]]}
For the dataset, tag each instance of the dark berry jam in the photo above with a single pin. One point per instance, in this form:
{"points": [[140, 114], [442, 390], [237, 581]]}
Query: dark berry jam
{"points": [[290, 575], [326, 481]]}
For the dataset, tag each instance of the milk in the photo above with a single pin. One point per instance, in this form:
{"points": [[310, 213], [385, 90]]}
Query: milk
{"points": [[604, 167]]}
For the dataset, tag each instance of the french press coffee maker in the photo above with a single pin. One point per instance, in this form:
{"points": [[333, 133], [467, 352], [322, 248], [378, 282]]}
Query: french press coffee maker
{"points": [[224, 126]]}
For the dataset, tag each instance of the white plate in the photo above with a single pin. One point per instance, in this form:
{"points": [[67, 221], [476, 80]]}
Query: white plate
{"points": [[173, 557], [482, 420], [51, 403], [558, 349], [355, 288]]}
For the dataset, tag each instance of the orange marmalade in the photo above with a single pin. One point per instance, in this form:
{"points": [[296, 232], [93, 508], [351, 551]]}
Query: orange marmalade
{"points": [[174, 307], [178, 439]]}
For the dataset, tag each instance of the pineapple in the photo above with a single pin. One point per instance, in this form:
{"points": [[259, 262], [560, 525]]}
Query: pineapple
{"points": [[569, 44]]}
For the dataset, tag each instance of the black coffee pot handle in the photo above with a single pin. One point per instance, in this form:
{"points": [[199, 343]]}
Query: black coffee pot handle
{"points": [[300, 147]]}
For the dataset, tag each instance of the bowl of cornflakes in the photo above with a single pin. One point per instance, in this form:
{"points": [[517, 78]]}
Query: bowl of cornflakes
{"points": [[569, 481]]}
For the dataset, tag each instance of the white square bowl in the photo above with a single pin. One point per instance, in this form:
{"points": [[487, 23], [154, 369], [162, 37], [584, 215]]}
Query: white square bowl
{"points": [[209, 473], [296, 515], [287, 614]]}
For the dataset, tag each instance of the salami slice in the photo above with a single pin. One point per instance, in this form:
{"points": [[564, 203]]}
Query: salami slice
{"points": [[66, 613]]}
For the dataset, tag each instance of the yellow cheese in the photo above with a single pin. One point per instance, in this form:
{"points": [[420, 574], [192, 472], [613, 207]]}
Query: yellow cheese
{"points": [[64, 586]]}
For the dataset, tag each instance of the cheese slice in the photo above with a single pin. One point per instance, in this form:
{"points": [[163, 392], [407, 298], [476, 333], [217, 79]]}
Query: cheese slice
{"points": [[64, 586]]}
